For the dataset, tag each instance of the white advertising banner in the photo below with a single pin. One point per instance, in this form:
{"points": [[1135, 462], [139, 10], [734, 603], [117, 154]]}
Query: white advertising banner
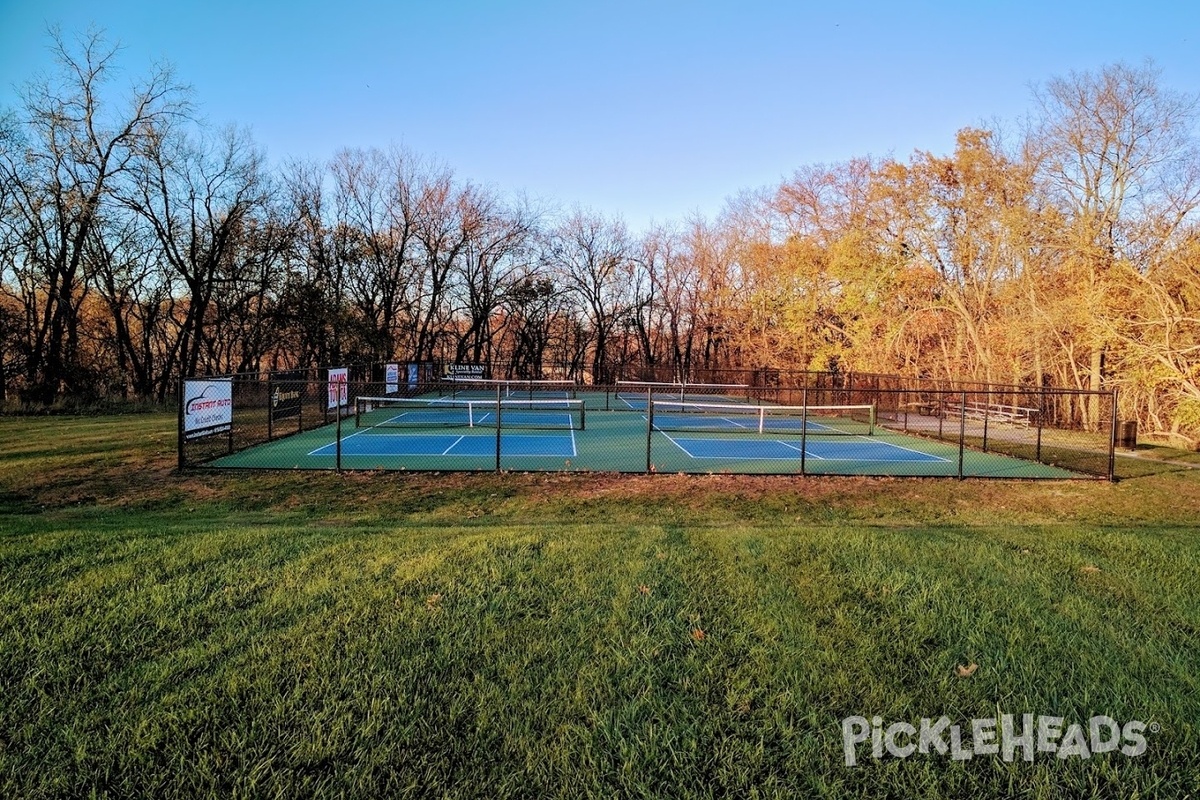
{"points": [[339, 392], [207, 407], [391, 379]]}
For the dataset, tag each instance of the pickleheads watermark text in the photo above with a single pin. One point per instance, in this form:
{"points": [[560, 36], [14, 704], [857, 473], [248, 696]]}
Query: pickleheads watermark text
{"points": [[1006, 736]]}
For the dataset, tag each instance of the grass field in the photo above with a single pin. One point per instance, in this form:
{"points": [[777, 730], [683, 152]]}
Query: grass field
{"points": [[549, 635]]}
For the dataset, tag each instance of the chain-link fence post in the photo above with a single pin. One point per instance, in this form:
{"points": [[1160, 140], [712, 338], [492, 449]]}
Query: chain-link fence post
{"points": [[499, 395], [803, 431], [649, 427], [962, 433]]}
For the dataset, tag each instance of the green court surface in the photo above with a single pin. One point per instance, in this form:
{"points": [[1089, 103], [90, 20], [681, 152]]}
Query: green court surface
{"points": [[616, 441]]}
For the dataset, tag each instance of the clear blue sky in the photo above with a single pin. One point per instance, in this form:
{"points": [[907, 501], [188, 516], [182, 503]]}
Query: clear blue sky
{"points": [[649, 110]]}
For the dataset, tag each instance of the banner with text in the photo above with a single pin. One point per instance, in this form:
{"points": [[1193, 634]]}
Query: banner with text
{"points": [[391, 379], [339, 395], [286, 391], [465, 370], [207, 407]]}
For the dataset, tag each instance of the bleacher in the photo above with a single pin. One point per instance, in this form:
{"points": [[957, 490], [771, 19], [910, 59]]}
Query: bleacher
{"points": [[1021, 416]]}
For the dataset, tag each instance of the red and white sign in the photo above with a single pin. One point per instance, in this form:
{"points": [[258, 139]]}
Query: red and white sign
{"points": [[339, 391], [207, 407]]}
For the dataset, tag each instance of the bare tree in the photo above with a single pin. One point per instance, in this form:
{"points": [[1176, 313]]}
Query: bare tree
{"points": [[200, 196], [77, 147], [594, 257], [497, 254]]}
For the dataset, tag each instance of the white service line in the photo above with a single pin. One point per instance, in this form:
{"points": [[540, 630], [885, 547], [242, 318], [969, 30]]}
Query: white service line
{"points": [[801, 449], [677, 444], [898, 447], [333, 444]]}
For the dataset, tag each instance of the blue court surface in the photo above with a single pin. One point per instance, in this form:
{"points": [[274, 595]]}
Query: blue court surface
{"points": [[449, 444], [617, 441], [849, 449], [734, 424]]}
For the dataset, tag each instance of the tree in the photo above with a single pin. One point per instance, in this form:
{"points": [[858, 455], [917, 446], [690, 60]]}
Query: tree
{"points": [[496, 255], [1112, 149], [592, 256], [77, 147], [200, 196]]}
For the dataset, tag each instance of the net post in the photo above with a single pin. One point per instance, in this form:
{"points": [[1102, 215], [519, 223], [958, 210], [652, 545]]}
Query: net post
{"points": [[762, 419], [871, 423], [962, 433], [649, 426], [582, 415], [803, 430], [498, 396]]}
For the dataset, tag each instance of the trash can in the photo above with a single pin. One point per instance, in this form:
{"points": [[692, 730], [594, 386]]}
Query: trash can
{"points": [[1127, 434]]}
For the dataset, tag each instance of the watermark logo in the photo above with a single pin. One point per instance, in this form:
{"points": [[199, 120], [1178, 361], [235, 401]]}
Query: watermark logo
{"points": [[1005, 737]]}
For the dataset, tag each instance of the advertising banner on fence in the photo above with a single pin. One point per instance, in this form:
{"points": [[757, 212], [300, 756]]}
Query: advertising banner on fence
{"points": [[413, 375], [286, 391], [465, 370], [207, 408], [391, 378], [339, 394]]}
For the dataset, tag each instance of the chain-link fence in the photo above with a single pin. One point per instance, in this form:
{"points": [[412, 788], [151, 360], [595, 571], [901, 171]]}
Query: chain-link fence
{"points": [[821, 427]]}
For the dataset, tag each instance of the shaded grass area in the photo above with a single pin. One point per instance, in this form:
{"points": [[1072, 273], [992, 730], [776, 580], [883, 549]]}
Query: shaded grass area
{"points": [[539, 635]]}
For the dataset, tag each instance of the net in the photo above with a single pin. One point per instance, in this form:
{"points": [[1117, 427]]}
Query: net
{"points": [[658, 390], [410, 412], [847, 420], [484, 388]]}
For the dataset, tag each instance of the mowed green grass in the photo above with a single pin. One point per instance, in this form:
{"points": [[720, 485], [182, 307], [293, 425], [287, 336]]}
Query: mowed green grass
{"points": [[386, 635]]}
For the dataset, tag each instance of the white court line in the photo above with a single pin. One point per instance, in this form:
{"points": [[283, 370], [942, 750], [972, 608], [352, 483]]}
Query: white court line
{"points": [[927, 457], [574, 452], [686, 452], [455, 444], [802, 450], [333, 444], [810, 455], [907, 449]]}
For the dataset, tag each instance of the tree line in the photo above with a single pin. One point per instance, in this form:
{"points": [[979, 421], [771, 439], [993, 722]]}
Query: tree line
{"points": [[139, 245]]}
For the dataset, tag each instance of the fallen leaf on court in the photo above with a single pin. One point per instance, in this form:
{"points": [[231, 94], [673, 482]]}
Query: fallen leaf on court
{"points": [[967, 670]]}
